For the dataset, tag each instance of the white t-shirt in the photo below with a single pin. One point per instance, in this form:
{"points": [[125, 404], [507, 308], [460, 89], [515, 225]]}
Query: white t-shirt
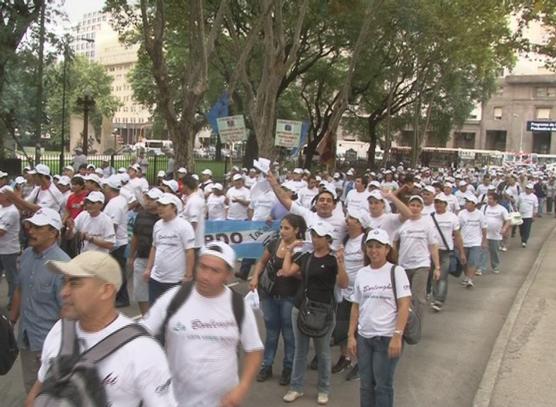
{"points": [[482, 189], [472, 225], [9, 222], [216, 207], [495, 217], [460, 196], [448, 223], [354, 261], [296, 186], [513, 192], [116, 209], [357, 200], [306, 195], [390, 222], [390, 185], [415, 237], [201, 344], [47, 198], [453, 204], [99, 226], [249, 181], [138, 186], [262, 203], [194, 212], [377, 306], [528, 204], [428, 209], [237, 211], [137, 372], [338, 223], [171, 240]]}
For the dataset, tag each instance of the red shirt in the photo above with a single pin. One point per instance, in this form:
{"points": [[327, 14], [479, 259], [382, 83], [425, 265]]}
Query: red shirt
{"points": [[75, 203]]}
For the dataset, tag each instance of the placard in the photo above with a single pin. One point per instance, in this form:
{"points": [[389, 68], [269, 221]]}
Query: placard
{"points": [[231, 129], [288, 133]]}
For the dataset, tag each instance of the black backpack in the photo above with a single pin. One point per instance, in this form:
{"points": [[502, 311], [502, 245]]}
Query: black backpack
{"points": [[8, 344], [73, 380], [238, 308]]}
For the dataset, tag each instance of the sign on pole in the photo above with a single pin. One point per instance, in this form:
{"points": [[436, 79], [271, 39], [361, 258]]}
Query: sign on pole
{"points": [[231, 129], [288, 133]]}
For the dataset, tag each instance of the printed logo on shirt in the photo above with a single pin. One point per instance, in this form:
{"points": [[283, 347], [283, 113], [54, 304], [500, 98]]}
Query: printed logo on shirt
{"points": [[110, 379], [163, 388], [179, 327]]}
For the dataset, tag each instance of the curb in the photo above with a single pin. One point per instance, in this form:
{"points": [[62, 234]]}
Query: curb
{"points": [[484, 393]]}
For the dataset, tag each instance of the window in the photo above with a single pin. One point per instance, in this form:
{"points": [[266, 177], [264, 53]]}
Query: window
{"points": [[497, 113], [545, 92], [543, 113]]}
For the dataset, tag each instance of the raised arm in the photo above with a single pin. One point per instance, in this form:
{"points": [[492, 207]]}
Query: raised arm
{"points": [[282, 195]]}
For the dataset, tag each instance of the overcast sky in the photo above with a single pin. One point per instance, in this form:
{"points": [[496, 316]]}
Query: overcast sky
{"points": [[76, 8]]}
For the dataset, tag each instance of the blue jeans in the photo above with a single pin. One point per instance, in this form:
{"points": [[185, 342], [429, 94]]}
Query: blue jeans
{"points": [[492, 253], [8, 263], [278, 318], [440, 286], [322, 349], [376, 371]]}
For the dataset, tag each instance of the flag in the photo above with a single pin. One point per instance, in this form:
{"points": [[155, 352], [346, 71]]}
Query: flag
{"points": [[220, 109], [302, 140]]}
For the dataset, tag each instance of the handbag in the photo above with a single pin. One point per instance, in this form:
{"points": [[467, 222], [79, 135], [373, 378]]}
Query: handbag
{"points": [[515, 218], [266, 281], [412, 330], [315, 318], [455, 267]]}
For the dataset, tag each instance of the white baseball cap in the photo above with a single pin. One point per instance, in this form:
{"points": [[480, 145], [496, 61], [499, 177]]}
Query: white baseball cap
{"points": [[221, 250], [90, 264], [122, 170], [441, 197], [135, 167], [182, 170], [46, 216], [64, 180], [470, 198], [167, 199], [154, 193], [91, 166], [41, 169], [114, 181], [376, 195], [99, 172], [416, 198], [94, 178], [462, 183], [20, 180], [161, 174], [322, 229], [218, 186], [298, 171], [529, 186], [207, 172], [375, 184], [237, 177], [172, 184], [95, 196], [379, 235], [430, 189], [361, 216], [68, 167]]}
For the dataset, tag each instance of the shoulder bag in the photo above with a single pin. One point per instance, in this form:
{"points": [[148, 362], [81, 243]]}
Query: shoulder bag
{"points": [[412, 330], [315, 317], [268, 276], [455, 269]]}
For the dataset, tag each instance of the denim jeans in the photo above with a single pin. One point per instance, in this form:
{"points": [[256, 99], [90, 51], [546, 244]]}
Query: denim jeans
{"points": [[541, 205], [525, 229], [8, 263], [277, 314], [376, 371], [440, 286], [492, 253], [322, 349]]}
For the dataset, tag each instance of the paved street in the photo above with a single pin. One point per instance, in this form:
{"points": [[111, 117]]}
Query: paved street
{"points": [[445, 369]]}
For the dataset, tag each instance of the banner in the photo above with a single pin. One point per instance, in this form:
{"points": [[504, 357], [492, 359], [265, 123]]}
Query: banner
{"points": [[288, 133], [231, 129], [246, 237]]}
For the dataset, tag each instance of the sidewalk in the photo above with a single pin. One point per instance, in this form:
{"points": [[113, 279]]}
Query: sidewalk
{"points": [[522, 366]]}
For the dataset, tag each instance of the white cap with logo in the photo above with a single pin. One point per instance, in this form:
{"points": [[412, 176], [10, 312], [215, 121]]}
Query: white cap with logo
{"points": [[379, 235], [167, 199], [46, 216], [221, 250], [323, 229], [95, 196]]}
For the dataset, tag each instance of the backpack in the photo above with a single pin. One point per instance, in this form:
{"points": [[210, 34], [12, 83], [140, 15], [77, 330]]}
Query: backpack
{"points": [[73, 380], [8, 344], [238, 308]]}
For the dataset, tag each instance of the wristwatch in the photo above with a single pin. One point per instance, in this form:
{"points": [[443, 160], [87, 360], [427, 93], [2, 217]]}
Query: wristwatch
{"points": [[398, 332]]}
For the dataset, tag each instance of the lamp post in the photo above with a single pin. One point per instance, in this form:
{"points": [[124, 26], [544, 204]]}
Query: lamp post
{"points": [[87, 103]]}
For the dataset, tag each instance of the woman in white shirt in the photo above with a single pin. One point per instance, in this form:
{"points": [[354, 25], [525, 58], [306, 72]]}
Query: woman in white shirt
{"points": [[528, 206], [216, 203], [379, 318]]}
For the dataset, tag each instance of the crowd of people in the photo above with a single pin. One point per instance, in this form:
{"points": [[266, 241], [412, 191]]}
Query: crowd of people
{"points": [[358, 246]]}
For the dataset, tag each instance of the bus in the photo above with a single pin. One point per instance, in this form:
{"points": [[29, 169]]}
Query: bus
{"points": [[436, 157], [156, 147]]}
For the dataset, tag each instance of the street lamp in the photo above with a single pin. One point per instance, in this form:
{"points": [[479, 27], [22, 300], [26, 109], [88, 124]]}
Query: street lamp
{"points": [[87, 103]]}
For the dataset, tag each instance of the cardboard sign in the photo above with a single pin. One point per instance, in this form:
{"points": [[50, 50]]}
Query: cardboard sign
{"points": [[231, 129], [288, 133]]}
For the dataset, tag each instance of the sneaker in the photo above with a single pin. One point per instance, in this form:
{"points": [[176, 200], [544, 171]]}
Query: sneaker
{"points": [[264, 374], [285, 377], [353, 374], [463, 282], [469, 284], [503, 249], [478, 272], [436, 306], [341, 365], [523, 244], [291, 396], [322, 398], [496, 271], [314, 365]]}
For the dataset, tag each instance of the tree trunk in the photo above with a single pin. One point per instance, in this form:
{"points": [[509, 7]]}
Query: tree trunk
{"points": [[251, 151], [373, 139]]}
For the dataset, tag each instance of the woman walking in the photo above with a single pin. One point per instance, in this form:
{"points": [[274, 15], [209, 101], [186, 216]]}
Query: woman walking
{"points": [[378, 319]]}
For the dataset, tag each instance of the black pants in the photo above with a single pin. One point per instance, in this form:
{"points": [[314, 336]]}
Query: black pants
{"points": [[122, 298], [525, 229]]}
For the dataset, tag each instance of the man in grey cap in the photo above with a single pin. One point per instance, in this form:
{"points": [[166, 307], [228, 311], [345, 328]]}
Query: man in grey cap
{"points": [[36, 303]]}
